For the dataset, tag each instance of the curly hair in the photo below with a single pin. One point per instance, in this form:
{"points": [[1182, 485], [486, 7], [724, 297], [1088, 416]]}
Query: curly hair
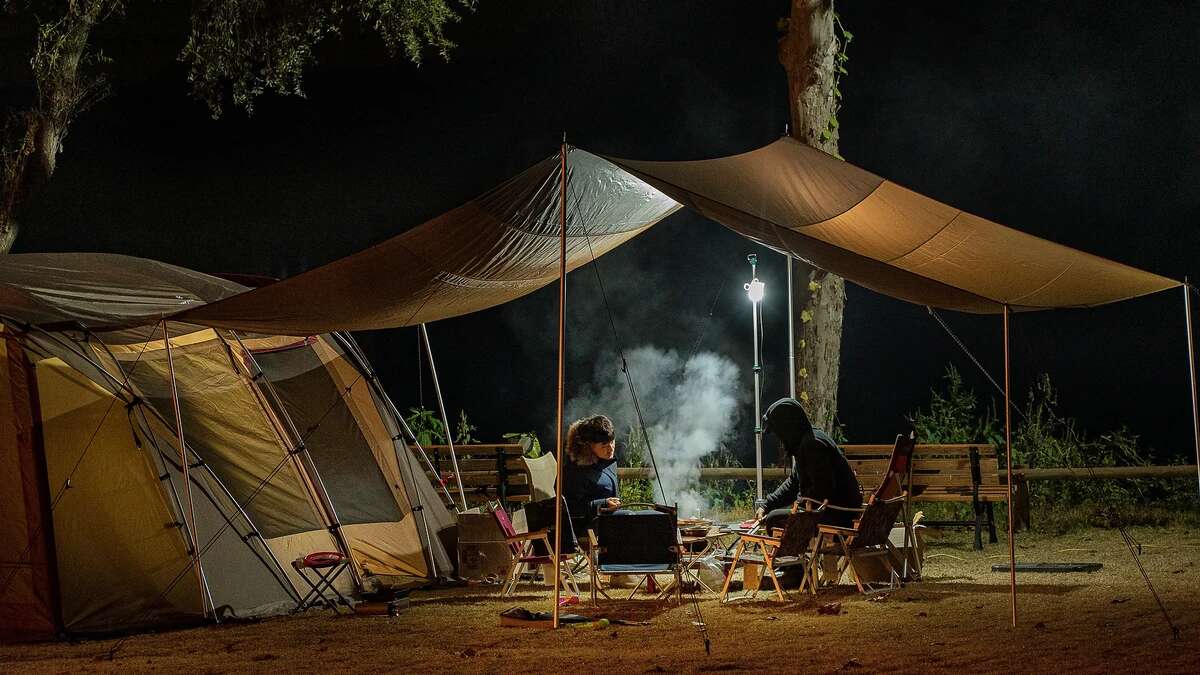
{"points": [[583, 433]]}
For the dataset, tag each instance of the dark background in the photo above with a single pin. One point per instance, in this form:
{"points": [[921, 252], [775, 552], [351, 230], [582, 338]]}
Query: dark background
{"points": [[1074, 121]]}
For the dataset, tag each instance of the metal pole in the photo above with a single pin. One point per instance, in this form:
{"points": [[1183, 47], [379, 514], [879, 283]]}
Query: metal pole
{"points": [[791, 333], [1012, 549], [758, 430], [189, 515], [1187, 308], [437, 389], [562, 339]]}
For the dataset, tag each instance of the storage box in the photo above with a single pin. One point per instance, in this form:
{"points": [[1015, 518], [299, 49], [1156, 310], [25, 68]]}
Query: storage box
{"points": [[482, 551]]}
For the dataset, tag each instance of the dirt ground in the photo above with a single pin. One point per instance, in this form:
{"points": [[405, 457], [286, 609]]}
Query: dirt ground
{"points": [[956, 619]]}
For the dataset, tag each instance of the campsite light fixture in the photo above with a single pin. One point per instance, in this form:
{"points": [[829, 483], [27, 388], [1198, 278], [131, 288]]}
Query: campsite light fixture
{"points": [[754, 290]]}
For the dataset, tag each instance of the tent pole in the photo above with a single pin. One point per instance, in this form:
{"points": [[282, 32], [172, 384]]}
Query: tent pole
{"points": [[562, 333], [1012, 549], [791, 332], [437, 390], [289, 588], [305, 465], [369, 373], [189, 515], [360, 361], [1187, 308]]}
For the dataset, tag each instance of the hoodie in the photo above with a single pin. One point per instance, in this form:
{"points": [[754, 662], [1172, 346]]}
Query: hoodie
{"points": [[819, 470]]}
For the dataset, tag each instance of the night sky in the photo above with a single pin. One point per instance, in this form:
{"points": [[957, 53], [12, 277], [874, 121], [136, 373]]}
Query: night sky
{"points": [[1074, 121]]}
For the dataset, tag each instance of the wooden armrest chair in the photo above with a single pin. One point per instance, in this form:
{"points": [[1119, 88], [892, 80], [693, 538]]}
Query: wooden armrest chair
{"points": [[792, 545], [867, 538], [638, 543], [524, 554]]}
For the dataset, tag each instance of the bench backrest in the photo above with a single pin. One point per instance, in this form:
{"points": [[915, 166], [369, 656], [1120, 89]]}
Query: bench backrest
{"points": [[488, 472], [932, 465]]}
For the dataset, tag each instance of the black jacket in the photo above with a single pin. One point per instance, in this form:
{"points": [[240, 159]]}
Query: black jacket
{"points": [[586, 487], [819, 469]]}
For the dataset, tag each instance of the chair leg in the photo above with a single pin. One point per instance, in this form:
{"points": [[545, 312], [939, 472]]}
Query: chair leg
{"points": [[737, 554], [768, 563], [850, 564]]}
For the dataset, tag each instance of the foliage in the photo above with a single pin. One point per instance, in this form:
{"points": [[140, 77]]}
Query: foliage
{"points": [[243, 48], [727, 495], [634, 455], [426, 426], [529, 442], [843, 38], [464, 433], [954, 417], [1043, 437]]}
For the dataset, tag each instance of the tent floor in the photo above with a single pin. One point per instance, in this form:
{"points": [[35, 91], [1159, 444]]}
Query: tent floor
{"points": [[956, 619]]}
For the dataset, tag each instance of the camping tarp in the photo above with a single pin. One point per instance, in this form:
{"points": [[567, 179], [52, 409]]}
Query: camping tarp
{"points": [[787, 196], [838, 217], [493, 249]]}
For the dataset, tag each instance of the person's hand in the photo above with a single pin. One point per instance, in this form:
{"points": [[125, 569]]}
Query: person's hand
{"points": [[612, 503], [758, 515]]}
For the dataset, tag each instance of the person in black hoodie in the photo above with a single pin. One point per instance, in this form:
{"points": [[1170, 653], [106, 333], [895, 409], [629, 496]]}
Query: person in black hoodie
{"points": [[819, 470], [590, 473]]}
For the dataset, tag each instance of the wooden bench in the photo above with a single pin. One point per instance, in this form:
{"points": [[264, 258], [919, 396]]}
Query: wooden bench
{"points": [[487, 472], [967, 473]]}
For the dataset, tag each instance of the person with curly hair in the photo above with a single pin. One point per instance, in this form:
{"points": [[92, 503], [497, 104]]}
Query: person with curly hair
{"points": [[590, 473]]}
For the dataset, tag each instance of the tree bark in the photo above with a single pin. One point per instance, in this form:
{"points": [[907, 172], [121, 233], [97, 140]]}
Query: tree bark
{"points": [[808, 52], [34, 137]]}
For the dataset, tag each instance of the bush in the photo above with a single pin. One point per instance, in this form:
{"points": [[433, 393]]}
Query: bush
{"points": [[635, 490]]}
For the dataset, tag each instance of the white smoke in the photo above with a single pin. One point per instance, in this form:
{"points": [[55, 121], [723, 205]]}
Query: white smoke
{"points": [[689, 409]]}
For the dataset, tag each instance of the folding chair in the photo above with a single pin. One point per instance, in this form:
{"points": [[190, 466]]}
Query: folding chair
{"points": [[524, 555], [794, 544], [326, 566], [868, 538], [639, 543], [896, 481]]}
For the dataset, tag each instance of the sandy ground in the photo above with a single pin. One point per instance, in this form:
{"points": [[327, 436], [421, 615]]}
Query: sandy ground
{"points": [[957, 618]]}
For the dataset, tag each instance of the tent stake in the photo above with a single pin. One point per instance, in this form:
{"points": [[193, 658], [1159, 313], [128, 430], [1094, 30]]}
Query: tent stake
{"points": [[437, 390], [1187, 308], [1012, 549], [189, 514], [562, 334]]}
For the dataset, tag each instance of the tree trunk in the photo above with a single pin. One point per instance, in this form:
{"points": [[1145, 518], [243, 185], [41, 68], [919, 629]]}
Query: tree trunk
{"points": [[808, 51], [34, 137]]}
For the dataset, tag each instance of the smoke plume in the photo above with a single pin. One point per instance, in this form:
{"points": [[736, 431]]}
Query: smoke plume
{"points": [[689, 406]]}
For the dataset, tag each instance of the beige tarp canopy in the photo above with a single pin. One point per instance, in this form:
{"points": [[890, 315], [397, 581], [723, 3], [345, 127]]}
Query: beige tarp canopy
{"points": [[786, 195], [890, 239], [493, 249]]}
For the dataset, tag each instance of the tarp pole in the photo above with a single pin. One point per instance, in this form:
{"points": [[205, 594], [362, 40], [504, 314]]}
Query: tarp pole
{"points": [[758, 426], [368, 372], [359, 361], [189, 514], [437, 390], [1187, 308], [562, 334], [791, 332], [1012, 549]]}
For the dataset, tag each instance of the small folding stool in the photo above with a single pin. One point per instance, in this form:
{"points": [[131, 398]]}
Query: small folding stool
{"points": [[326, 566]]}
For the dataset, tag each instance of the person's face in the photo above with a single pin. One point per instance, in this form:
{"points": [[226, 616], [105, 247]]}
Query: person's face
{"points": [[605, 450]]}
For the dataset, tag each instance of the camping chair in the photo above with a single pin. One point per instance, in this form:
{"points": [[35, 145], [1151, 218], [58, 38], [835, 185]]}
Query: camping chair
{"points": [[639, 543], [868, 538], [524, 555], [896, 481], [793, 545]]}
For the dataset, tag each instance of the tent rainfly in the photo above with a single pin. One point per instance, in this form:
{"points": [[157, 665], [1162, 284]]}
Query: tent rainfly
{"points": [[289, 449]]}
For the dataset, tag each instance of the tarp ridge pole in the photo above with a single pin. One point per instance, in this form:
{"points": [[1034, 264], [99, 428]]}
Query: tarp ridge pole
{"points": [[1191, 349], [189, 514], [359, 361], [1012, 549], [305, 465], [558, 419], [364, 367], [437, 390]]}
